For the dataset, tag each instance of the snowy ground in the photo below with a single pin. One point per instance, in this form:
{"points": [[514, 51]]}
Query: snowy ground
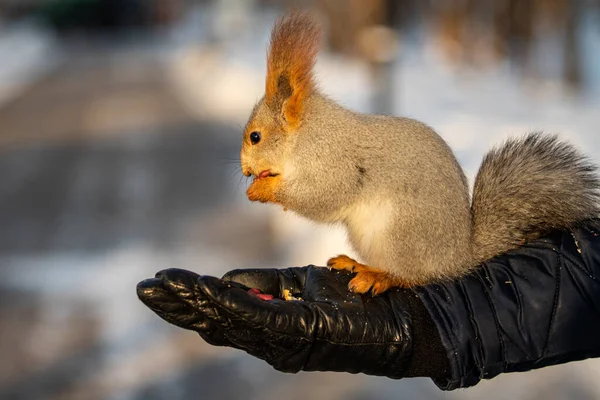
{"points": [[87, 215]]}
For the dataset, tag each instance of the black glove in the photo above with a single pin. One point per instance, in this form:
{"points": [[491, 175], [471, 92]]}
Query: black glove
{"points": [[330, 329], [532, 307]]}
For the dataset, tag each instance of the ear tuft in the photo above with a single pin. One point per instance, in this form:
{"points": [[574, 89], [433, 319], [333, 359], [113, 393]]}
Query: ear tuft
{"points": [[291, 57]]}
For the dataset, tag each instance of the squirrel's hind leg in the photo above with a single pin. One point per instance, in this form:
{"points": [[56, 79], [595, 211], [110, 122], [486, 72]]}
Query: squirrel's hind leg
{"points": [[367, 278]]}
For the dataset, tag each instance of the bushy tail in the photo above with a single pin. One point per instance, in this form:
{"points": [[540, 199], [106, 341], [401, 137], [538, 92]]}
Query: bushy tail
{"points": [[527, 187]]}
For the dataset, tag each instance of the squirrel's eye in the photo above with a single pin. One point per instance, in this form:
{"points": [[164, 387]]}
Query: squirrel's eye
{"points": [[255, 137]]}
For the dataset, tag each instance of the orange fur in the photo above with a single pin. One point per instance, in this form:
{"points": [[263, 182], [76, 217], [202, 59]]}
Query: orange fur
{"points": [[342, 262], [367, 278], [292, 55], [263, 189]]}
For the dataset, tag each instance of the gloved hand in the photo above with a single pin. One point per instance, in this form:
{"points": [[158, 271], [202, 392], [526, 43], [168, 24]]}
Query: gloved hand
{"points": [[532, 307], [330, 329]]}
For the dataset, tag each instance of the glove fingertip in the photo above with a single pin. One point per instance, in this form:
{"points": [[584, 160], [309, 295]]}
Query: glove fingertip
{"points": [[147, 288], [234, 274], [153, 294], [155, 297]]}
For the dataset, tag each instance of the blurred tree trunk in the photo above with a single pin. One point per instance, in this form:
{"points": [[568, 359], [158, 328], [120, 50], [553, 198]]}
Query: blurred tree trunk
{"points": [[572, 68], [367, 29]]}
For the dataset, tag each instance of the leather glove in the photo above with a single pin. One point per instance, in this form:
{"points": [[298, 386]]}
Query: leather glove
{"points": [[330, 329], [529, 308]]}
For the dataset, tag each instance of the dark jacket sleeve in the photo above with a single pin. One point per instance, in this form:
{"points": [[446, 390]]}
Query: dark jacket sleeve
{"points": [[533, 307]]}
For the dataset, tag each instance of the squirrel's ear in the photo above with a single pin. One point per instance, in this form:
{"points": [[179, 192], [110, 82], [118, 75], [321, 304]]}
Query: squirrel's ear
{"points": [[290, 60]]}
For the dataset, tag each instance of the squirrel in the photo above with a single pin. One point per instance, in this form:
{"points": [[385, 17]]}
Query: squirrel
{"points": [[394, 182]]}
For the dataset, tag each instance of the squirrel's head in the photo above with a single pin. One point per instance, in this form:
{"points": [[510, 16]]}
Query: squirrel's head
{"points": [[276, 119]]}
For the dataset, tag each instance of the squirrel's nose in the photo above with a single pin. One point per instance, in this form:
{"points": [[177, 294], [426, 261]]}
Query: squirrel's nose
{"points": [[246, 171]]}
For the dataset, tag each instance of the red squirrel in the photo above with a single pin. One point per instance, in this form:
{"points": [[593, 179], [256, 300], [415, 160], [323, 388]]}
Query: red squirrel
{"points": [[394, 183]]}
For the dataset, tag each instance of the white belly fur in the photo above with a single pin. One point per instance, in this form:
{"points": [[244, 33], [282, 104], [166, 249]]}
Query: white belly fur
{"points": [[367, 224]]}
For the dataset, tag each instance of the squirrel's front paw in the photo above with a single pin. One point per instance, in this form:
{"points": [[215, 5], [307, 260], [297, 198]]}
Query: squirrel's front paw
{"points": [[342, 262], [263, 189]]}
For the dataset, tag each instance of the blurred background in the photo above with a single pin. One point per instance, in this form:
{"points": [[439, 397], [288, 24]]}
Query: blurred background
{"points": [[120, 127]]}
